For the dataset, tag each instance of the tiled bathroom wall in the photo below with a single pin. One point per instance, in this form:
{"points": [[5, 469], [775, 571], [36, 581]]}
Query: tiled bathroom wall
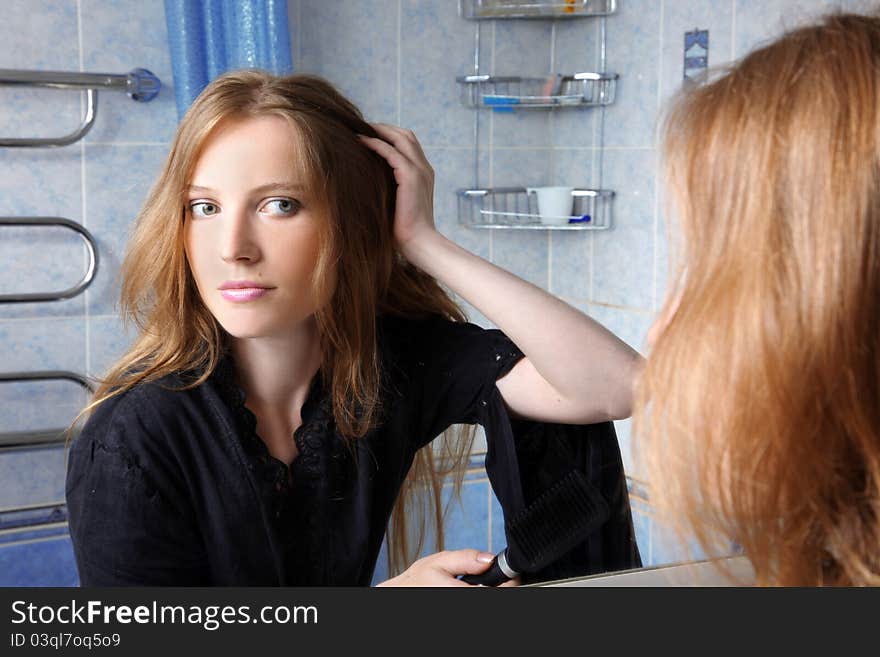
{"points": [[398, 60], [99, 182]]}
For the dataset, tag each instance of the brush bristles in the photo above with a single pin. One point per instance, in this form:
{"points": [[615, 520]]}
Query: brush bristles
{"points": [[557, 520]]}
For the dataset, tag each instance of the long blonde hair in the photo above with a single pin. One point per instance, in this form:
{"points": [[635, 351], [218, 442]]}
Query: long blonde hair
{"points": [[758, 412], [356, 189]]}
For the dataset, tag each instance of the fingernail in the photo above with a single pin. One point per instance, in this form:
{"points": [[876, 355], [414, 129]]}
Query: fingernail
{"points": [[485, 557]]}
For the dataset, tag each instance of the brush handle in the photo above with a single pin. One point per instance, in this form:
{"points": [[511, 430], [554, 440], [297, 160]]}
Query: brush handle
{"points": [[493, 576]]}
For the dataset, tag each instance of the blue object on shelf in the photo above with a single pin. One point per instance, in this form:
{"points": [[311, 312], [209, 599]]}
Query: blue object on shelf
{"points": [[579, 220], [500, 103], [501, 100]]}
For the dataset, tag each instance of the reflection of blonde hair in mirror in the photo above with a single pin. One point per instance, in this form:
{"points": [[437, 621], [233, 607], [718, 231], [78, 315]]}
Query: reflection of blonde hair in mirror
{"points": [[356, 189], [758, 412]]}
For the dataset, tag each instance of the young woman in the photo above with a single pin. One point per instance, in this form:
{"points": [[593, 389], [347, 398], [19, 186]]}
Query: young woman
{"points": [[298, 354], [759, 409]]}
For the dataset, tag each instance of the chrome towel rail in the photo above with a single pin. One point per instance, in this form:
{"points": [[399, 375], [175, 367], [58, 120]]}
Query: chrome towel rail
{"points": [[33, 516], [47, 375], [30, 439], [70, 292], [140, 85]]}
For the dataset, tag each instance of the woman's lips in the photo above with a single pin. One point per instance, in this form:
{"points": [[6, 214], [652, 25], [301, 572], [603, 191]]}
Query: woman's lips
{"points": [[242, 294]]}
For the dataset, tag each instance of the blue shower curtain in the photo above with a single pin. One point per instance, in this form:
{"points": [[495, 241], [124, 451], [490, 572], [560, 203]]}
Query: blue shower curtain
{"points": [[210, 37]]}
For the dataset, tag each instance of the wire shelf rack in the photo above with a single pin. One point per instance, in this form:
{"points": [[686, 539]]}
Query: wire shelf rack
{"points": [[490, 9], [514, 207], [512, 92]]}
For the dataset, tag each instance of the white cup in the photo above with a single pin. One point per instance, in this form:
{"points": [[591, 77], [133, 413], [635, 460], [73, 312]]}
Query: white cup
{"points": [[554, 204]]}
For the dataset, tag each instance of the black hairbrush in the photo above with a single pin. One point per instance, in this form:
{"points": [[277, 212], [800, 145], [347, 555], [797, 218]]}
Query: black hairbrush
{"points": [[554, 523]]}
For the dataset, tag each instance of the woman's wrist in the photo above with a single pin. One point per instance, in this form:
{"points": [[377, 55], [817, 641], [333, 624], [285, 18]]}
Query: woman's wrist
{"points": [[414, 248]]}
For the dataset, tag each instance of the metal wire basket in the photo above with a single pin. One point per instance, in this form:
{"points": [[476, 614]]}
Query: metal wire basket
{"points": [[511, 92], [514, 207], [489, 9]]}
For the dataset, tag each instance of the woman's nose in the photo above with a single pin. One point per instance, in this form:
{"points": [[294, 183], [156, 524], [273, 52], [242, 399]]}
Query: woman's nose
{"points": [[239, 242]]}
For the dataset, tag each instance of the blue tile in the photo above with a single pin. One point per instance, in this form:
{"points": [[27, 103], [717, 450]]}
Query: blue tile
{"points": [[524, 253], [570, 268], [29, 112], [577, 45], [40, 563], [859, 6], [521, 129], [42, 260], [38, 345], [464, 522], [667, 547], [38, 406], [24, 21], [42, 344], [521, 48], [32, 477], [633, 47], [338, 34], [454, 170], [576, 51], [759, 21], [118, 179], [436, 46], [685, 16], [526, 167], [571, 251], [466, 525], [476, 466], [662, 262], [108, 340], [575, 126], [118, 37], [41, 183], [623, 256]]}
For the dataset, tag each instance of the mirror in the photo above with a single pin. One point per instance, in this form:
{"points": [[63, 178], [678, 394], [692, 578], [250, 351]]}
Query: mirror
{"points": [[590, 127]]}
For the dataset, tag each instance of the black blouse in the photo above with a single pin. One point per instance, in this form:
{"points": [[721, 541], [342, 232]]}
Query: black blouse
{"points": [[171, 487]]}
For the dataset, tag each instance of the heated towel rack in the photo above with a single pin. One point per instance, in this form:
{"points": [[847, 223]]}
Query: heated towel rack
{"points": [[87, 278], [26, 439], [140, 85]]}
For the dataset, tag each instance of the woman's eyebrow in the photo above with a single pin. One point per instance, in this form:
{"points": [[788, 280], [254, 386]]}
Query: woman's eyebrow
{"points": [[288, 186]]}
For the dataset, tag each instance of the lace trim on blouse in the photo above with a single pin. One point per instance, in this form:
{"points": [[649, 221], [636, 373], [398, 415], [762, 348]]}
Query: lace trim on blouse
{"points": [[294, 494]]}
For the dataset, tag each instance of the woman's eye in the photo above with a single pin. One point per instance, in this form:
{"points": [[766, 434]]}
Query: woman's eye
{"points": [[203, 209], [284, 206]]}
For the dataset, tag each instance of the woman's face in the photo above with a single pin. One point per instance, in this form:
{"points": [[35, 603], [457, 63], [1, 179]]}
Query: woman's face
{"points": [[251, 231]]}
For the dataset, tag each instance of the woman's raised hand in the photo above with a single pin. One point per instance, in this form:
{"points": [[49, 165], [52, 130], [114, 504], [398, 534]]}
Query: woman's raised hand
{"points": [[442, 568], [414, 214]]}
